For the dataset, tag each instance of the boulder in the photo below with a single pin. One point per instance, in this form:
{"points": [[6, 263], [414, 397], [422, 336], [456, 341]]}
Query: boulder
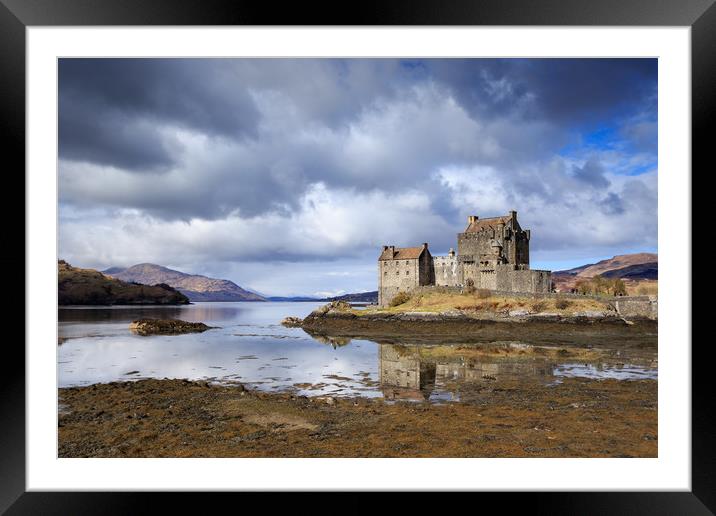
{"points": [[334, 306], [292, 322]]}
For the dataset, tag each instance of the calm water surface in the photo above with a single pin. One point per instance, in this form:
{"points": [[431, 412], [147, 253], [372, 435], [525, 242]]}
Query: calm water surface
{"points": [[251, 347]]}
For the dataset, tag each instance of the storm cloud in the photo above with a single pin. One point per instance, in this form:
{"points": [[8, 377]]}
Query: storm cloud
{"points": [[209, 163]]}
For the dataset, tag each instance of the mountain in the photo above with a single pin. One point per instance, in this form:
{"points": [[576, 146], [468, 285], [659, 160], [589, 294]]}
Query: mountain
{"points": [[77, 286], [634, 267], [361, 297], [194, 286], [611, 264]]}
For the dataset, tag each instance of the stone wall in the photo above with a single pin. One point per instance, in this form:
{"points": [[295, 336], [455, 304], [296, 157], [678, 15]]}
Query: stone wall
{"points": [[529, 280], [508, 278], [403, 276], [637, 306], [445, 270], [396, 276]]}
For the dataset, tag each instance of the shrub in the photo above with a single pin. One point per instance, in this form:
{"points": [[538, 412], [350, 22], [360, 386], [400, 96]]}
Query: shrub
{"points": [[469, 286], [617, 287], [399, 299], [601, 285], [561, 303], [539, 306], [584, 287]]}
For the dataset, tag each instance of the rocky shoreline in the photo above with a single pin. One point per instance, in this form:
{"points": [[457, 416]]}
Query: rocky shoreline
{"points": [[337, 320], [181, 418]]}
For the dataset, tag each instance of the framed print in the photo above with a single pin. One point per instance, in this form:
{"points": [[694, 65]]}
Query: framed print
{"points": [[278, 254]]}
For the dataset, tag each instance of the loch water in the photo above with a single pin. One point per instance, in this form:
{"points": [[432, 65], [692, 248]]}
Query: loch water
{"points": [[248, 345]]}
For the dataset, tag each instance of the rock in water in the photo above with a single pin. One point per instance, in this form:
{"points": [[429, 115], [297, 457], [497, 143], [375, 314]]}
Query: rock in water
{"points": [[292, 322], [166, 327], [333, 306]]}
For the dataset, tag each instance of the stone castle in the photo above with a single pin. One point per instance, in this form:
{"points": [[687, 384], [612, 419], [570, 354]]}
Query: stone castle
{"points": [[492, 253]]}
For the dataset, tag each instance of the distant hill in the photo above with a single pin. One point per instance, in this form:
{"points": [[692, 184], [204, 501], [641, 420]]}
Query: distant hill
{"points": [[361, 297], [636, 267], [77, 286], [637, 271], [194, 286], [294, 298], [611, 264]]}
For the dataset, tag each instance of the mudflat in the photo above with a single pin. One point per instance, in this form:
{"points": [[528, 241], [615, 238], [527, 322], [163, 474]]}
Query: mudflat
{"points": [[180, 418]]}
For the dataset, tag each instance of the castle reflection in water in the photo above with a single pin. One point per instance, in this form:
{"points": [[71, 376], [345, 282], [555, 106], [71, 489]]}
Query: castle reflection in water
{"points": [[405, 375]]}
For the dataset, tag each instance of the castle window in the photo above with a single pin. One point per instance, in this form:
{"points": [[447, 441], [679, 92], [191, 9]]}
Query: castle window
{"points": [[407, 262], [407, 272]]}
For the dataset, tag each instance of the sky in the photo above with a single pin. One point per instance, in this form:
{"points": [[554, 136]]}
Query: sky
{"points": [[287, 176]]}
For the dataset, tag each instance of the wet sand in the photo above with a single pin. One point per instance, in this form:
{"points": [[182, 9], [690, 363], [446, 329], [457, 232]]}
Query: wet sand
{"points": [[179, 418]]}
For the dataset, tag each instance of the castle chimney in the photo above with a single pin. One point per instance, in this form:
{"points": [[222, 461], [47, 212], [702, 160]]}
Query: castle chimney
{"points": [[451, 252], [513, 214], [471, 218], [425, 245]]}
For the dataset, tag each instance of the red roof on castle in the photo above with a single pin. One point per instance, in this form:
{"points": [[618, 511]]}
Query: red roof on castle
{"points": [[401, 253], [491, 222]]}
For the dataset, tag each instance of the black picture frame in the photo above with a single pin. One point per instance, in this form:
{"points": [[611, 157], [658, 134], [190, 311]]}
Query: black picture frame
{"points": [[16, 15]]}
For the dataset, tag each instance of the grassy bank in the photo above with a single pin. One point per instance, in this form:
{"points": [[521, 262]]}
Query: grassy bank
{"points": [[483, 301]]}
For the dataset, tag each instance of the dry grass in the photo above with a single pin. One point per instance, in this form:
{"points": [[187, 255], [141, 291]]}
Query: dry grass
{"points": [[562, 303], [483, 293], [399, 299], [474, 302], [643, 288]]}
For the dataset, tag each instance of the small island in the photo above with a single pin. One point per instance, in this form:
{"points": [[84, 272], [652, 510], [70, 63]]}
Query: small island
{"points": [[487, 285], [482, 315], [166, 327]]}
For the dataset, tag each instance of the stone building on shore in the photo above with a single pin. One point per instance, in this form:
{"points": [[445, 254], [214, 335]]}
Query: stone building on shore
{"points": [[492, 253]]}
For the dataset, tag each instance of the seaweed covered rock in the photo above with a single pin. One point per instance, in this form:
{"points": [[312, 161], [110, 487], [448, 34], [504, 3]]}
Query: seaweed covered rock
{"points": [[166, 327], [292, 322]]}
